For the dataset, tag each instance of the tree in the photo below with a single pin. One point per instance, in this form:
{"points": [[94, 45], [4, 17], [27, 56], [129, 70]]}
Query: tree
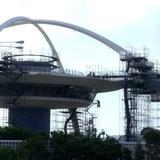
{"points": [[152, 139], [82, 147], [139, 152], [127, 154], [7, 153], [34, 148], [14, 133], [63, 147]]}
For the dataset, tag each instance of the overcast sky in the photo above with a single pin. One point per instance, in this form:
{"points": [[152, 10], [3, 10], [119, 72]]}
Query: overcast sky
{"points": [[125, 22]]}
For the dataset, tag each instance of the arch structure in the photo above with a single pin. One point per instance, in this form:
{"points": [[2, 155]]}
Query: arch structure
{"points": [[24, 20], [10, 23], [48, 91]]}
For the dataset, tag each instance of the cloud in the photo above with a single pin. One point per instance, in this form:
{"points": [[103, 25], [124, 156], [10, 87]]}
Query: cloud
{"points": [[106, 14], [49, 9]]}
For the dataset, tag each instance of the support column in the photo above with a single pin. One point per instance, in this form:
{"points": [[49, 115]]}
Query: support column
{"points": [[35, 119]]}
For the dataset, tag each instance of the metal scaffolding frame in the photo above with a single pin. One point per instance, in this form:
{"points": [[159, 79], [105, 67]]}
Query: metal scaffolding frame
{"points": [[86, 119], [137, 98]]}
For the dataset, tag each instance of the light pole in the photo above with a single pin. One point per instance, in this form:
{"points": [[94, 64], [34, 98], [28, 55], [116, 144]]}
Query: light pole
{"points": [[19, 42], [11, 44]]}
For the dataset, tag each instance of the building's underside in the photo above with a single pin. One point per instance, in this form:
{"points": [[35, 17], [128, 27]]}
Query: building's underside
{"points": [[31, 88]]}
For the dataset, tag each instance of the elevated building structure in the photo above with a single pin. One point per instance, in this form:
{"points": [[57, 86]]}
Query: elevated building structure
{"points": [[31, 88]]}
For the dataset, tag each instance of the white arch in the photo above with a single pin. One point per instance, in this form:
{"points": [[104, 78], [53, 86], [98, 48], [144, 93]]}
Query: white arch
{"points": [[23, 20], [10, 22]]}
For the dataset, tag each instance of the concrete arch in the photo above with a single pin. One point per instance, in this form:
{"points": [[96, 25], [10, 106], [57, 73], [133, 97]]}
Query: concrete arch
{"points": [[23, 20], [11, 21]]}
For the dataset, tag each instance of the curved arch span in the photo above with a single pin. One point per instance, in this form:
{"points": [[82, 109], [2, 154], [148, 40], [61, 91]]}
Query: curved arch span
{"points": [[23, 20], [12, 21]]}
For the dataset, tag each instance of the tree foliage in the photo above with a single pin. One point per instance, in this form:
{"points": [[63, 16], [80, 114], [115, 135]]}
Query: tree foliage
{"points": [[7, 153], [127, 154], [81, 147], [34, 148], [62, 146], [152, 139], [14, 133], [139, 152]]}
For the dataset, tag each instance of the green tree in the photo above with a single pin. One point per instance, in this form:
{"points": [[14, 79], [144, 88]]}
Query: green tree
{"points": [[14, 133], [34, 148], [127, 154], [62, 146], [81, 147], [152, 139], [139, 152], [7, 153]]}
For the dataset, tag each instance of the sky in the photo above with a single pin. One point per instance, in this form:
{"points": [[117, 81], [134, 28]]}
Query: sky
{"points": [[125, 22]]}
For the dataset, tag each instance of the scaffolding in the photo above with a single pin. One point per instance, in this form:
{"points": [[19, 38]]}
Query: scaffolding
{"points": [[137, 69], [15, 66], [86, 119], [137, 98]]}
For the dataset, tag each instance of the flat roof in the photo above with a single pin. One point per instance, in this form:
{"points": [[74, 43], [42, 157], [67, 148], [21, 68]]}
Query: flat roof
{"points": [[101, 85]]}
